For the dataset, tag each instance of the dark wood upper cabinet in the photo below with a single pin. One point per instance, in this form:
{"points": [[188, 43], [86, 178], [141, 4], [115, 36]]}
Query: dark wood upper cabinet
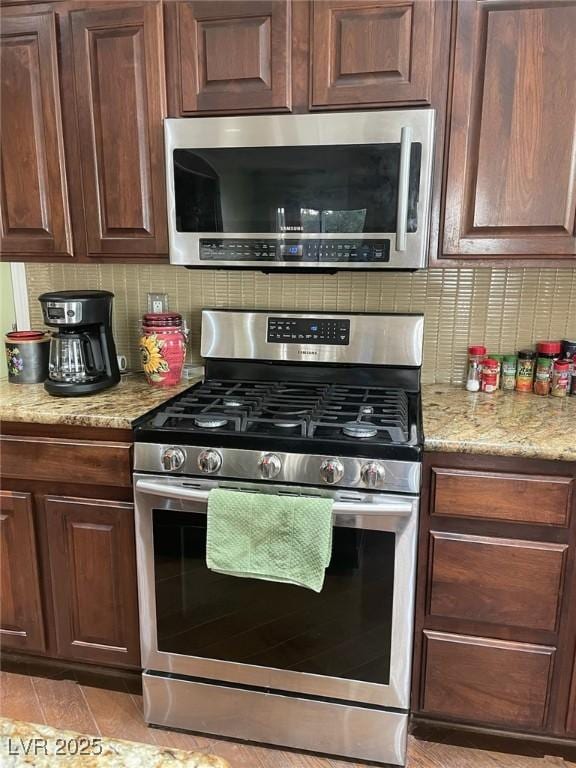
{"points": [[21, 618], [93, 568], [233, 56], [34, 218], [376, 53], [511, 180], [119, 102]]}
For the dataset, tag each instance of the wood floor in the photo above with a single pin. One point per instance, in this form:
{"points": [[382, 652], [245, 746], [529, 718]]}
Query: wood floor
{"points": [[68, 704]]}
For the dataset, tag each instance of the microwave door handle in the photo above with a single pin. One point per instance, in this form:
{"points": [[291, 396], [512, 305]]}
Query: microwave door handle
{"points": [[403, 187], [173, 491]]}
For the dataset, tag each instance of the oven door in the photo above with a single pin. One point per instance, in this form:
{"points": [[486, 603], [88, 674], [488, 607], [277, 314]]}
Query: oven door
{"points": [[352, 641], [347, 191]]}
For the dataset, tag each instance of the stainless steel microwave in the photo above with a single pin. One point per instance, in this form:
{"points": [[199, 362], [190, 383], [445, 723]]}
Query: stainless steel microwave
{"points": [[326, 191]]}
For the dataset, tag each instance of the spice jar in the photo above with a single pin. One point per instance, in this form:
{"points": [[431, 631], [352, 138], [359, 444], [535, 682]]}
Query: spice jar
{"points": [[499, 359], [560, 378], [508, 377], [163, 348], [476, 355], [525, 370], [490, 369], [569, 353]]}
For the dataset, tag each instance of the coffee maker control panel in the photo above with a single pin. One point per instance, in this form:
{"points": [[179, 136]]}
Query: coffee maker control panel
{"points": [[62, 312]]}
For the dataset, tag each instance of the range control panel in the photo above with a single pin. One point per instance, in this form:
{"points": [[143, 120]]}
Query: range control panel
{"points": [[315, 251], [323, 330]]}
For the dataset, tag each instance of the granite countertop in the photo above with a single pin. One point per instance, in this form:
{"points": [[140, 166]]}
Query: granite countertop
{"points": [[115, 408], [44, 747], [501, 424]]}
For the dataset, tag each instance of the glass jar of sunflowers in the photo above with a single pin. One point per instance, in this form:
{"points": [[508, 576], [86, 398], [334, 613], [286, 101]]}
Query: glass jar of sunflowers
{"points": [[163, 348]]}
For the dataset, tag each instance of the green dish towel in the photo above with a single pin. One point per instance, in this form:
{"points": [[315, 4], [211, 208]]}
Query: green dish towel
{"points": [[264, 536]]}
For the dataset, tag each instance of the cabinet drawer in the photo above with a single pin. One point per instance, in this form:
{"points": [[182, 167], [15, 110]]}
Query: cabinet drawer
{"points": [[497, 496], [499, 581], [487, 681], [76, 461]]}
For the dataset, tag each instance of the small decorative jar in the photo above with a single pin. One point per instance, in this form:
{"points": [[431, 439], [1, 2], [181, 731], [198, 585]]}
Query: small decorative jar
{"points": [[27, 354], [163, 348]]}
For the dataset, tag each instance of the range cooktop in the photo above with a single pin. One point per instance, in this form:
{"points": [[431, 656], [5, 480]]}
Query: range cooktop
{"points": [[298, 416]]}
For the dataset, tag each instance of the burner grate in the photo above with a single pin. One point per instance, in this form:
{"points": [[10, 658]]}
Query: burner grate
{"points": [[295, 409]]}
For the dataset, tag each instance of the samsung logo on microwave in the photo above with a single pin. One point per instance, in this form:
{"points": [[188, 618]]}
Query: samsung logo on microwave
{"points": [[308, 352]]}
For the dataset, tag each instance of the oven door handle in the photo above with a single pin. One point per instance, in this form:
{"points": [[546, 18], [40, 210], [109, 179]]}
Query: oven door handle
{"points": [[403, 187], [169, 490]]}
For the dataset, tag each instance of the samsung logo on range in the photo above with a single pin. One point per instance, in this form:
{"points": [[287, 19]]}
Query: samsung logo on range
{"points": [[291, 229], [308, 352]]}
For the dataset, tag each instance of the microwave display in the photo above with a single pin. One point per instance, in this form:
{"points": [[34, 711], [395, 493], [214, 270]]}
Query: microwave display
{"points": [[347, 188]]}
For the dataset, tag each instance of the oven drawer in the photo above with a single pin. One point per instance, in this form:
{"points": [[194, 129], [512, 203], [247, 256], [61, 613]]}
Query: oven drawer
{"points": [[536, 499], [489, 681], [264, 716], [497, 581]]}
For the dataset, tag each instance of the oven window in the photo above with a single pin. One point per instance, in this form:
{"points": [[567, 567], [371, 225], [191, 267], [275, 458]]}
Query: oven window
{"points": [[345, 631], [341, 188]]}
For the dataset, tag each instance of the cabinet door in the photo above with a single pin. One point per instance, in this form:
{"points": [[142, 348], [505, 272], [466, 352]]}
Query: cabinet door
{"points": [[487, 681], [93, 567], [511, 185], [377, 52], [21, 622], [34, 218], [234, 56], [119, 93], [571, 720]]}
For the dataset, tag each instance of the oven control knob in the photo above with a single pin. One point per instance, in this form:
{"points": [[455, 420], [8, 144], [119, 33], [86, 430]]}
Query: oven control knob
{"points": [[209, 461], [270, 465], [172, 459], [331, 471], [372, 474]]}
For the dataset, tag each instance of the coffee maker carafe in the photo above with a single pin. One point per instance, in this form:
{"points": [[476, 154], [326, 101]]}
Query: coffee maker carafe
{"points": [[82, 352]]}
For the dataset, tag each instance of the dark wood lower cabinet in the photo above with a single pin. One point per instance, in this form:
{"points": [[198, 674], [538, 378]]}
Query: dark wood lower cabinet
{"points": [[495, 619], [21, 617], [571, 719], [487, 681], [68, 588], [93, 569]]}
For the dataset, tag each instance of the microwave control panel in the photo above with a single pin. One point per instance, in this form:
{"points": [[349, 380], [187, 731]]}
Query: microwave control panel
{"points": [[315, 251], [322, 330]]}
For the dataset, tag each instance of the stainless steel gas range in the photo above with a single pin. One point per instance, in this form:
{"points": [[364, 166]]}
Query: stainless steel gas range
{"points": [[309, 404]]}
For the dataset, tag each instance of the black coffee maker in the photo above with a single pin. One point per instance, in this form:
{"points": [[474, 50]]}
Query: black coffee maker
{"points": [[82, 352]]}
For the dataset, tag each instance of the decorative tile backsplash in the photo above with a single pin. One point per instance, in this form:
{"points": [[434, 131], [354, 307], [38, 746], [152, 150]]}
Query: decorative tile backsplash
{"points": [[507, 309]]}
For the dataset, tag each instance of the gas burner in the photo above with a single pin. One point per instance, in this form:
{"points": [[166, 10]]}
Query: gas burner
{"points": [[207, 422], [285, 410], [359, 429]]}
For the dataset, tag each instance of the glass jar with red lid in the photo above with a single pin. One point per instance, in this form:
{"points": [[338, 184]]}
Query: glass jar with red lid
{"points": [[163, 348]]}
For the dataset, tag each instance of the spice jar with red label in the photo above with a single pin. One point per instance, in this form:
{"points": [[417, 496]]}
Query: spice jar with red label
{"points": [[560, 378], [490, 369]]}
